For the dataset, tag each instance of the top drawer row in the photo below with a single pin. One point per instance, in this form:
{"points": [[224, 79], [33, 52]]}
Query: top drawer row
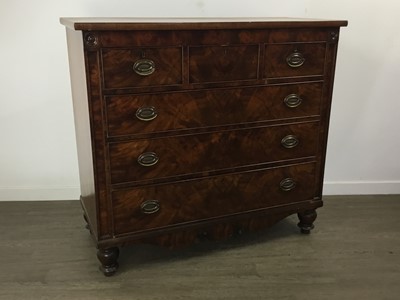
{"points": [[155, 66]]}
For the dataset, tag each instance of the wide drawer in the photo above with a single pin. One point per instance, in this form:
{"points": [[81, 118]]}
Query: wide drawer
{"points": [[198, 153], [295, 59], [141, 209], [127, 68], [223, 63], [138, 114]]}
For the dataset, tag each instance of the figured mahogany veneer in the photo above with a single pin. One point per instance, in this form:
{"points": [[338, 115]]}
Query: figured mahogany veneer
{"points": [[211, 197], [198, 127], [205, 152], [210, 108], [118, 73], [221, 63], [276, 55]]}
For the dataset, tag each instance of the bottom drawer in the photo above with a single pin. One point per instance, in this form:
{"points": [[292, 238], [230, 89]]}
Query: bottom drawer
{"points": [[163, 205]]}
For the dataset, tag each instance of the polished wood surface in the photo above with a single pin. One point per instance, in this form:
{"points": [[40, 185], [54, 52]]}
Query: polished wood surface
{"points": [[82, 128], [210, 108], [276, 60], [222, 37], [194, 23], [118, 67], [213, 197], [221, 63], [202, 153], [201, 130]]}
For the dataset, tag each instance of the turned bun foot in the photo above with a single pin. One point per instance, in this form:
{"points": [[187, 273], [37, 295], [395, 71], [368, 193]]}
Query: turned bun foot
{"points": [[307, 219], [109, 260]]}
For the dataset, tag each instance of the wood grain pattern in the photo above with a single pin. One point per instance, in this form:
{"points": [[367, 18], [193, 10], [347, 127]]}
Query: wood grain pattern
{"points": [[146, 38], [118, 67], [201, 153], [82, 128], [221, 119], [210, 197], [329, 75], [276, 65], [222, 228], [194, 23], [210, 108], [102, 208], [213, 231], [221, 63]]}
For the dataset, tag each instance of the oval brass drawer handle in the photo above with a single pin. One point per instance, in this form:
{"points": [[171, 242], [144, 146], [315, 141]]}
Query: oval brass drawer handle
{"points": [[292, 100], [147, 159], [290, 141], [144, 67], [295, 60], [150, 207], [146, 113], [287, 184]]}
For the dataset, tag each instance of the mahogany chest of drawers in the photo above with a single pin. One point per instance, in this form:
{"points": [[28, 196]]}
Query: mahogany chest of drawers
{"points": [[198, 127]]}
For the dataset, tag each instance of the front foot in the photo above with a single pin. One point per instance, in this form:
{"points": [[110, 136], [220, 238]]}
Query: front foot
{"points": [[109, 260], [307, 219]]}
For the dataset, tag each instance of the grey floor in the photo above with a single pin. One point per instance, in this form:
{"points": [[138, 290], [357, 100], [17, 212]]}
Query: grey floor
{"points": [[353, 253]]}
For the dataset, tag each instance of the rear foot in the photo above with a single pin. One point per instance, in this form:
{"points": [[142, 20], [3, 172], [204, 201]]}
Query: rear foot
{"points": [[87, 226], [307, 219]]}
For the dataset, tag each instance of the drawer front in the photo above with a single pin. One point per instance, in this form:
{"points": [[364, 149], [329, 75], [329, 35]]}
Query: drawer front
{"points": [[223, 63], [127, 68], [193, 154], [160, 206], [137, 114], [291, 60]]}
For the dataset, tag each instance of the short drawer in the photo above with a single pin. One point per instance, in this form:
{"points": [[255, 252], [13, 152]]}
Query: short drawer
{"points": [[223, 63], [136, 67], [140, 114], [142, 209], [296, 59], [157, 158]]}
